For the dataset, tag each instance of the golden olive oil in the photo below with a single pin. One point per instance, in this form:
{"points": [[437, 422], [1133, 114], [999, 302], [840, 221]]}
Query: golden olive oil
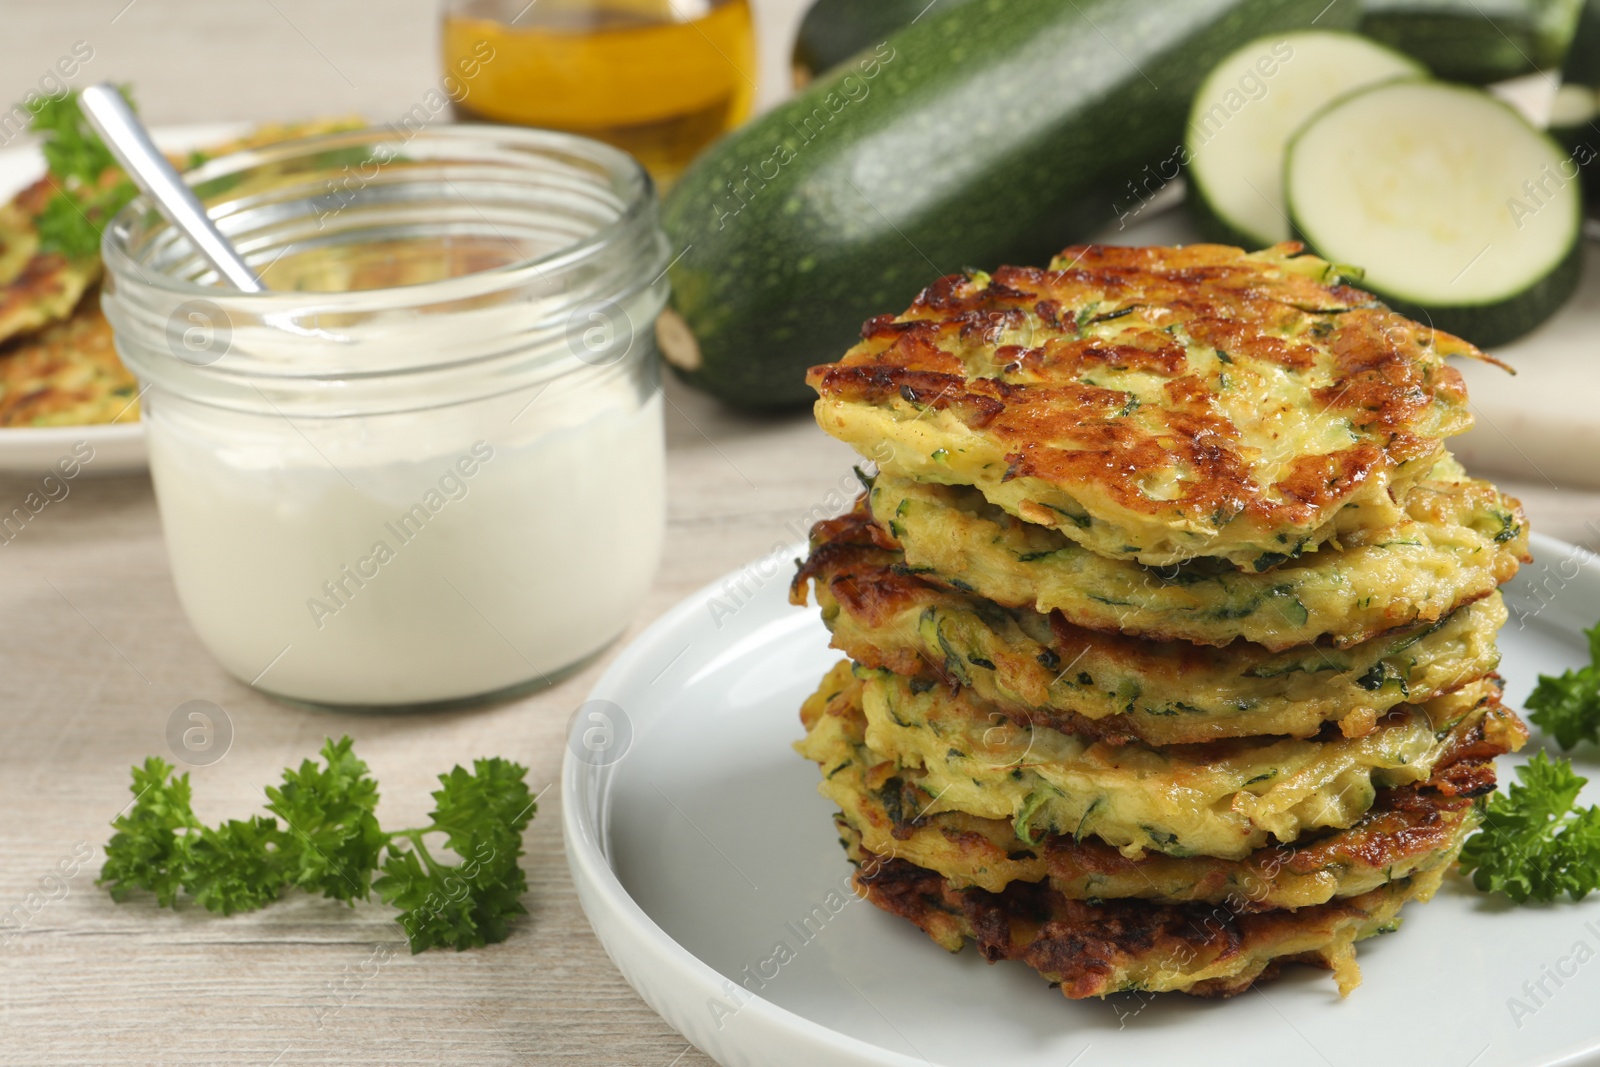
{"points": [[658, 78]]}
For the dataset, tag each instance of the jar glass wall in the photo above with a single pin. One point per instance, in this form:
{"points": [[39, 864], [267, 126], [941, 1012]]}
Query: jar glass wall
{"points": [[427, 465]]}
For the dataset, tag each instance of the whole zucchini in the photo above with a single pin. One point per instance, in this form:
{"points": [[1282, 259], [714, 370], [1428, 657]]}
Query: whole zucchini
{"points": [[1475, 41], [994, 131], [1575, 116], [833, 31]]}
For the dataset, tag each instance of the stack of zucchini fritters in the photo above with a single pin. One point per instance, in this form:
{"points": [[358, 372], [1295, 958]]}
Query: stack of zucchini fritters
{"points": [[1173, 622]]}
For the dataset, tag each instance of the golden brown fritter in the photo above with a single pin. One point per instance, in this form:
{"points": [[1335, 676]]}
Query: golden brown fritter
{"points": [[67, 375], [1222, 798], [1458, 540], [36, 288], [1407, 830], [1044, 670], [1095, 948], [1157, 404]]}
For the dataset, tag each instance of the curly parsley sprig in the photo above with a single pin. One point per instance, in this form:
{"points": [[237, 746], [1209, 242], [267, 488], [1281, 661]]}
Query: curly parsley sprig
{"points": [[90, 187], [330, 844], [1535, 843], [1568, 707]]}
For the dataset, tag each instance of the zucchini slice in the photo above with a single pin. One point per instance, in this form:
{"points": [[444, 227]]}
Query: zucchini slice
{"points": [[1462, 214], [1246, 111]]}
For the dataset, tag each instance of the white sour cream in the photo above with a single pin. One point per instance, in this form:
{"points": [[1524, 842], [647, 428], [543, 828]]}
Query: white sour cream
{"points": [[410, 559]]}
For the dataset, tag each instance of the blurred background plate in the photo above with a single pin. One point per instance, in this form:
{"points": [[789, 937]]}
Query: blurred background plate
{"points": [[118, 447], [34, 450]]}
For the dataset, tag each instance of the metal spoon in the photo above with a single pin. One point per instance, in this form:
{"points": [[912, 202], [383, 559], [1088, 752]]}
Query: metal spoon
{"points": [[130, 142]]}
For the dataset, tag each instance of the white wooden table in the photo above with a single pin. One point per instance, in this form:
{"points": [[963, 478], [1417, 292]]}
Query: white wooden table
{"points": [[96, 655]]}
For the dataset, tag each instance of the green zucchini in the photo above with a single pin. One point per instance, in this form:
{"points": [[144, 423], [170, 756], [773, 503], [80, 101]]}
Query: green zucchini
{"points": [[833, 31], [1247, 109], [1461, 214], [1575, 113], [1476, 41], [994, 131]]}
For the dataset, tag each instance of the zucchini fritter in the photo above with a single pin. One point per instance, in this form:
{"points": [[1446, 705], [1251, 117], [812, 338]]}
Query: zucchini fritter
{"points": [[1094, 948], [1157, 404], [36, 288], [67, 375], [1044, 670], [1458, 540], [1172, 619], [1221, 798], [1408, 829]]}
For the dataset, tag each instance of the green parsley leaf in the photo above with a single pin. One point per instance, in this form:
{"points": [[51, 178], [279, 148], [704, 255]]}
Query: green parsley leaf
{"points": [[72, 150], [330, 843], [237, 866], [90, 188], [72, 223], [150, 849], [482, 816], [1535, 845], [1568, 707], [335, 840]]}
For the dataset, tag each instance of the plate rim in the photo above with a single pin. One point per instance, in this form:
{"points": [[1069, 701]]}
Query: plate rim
{"points": [[632, 939], [65, 434], [599, 887]]}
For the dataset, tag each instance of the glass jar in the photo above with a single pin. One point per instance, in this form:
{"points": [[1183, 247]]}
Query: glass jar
{"points": [[427, 465], [659, 78]]}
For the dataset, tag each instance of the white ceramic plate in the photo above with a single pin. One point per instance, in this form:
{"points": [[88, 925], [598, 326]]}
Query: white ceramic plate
{"points": [[118, 448], [701, 849]]}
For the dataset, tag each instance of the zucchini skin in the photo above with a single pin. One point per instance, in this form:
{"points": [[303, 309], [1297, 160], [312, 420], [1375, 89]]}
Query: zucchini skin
{"points": [[1458, 41], [1583, 58], [995, 131], [1492, 325], [833, 31], [1582, 141]]}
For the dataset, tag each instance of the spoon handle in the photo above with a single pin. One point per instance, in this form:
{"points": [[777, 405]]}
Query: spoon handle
{"points": [[130, 142]]}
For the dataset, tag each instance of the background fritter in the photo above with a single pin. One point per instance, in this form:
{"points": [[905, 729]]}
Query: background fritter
{"points": [[68, 374], [57, 363], [36, 288]]}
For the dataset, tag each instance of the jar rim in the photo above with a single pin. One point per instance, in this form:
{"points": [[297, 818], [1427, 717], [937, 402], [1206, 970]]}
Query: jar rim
{"points": [[129, 223], [581, 239]]}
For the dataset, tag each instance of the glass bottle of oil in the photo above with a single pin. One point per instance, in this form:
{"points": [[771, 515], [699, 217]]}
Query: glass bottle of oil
{"points": [[658, 78]]}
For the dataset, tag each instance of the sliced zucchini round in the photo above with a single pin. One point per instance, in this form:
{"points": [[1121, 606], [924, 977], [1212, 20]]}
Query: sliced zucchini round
{"points": [[1461, 214], [1246, 111]]}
